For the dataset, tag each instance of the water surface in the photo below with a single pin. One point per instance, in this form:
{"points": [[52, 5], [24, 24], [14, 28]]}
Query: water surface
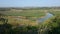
{"points": [[47, 16]]}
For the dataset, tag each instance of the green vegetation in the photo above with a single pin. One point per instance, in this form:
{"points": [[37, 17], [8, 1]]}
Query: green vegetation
{"points": [[49, 27], [30, 12], [52, 26], [6, 28], [23, 21]]}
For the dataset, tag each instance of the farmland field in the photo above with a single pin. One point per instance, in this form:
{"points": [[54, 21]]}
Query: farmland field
{"points": [[30, 12]]}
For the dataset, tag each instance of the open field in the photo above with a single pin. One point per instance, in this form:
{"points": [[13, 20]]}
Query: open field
{"points": [[30, 12]]}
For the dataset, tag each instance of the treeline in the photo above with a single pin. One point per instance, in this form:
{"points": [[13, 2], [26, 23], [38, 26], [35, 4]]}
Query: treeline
{"points": [[5, 9], [27, 8]]}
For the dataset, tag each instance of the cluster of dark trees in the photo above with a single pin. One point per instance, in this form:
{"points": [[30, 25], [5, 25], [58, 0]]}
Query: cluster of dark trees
{"points": [[8, 29], [5, 9]]}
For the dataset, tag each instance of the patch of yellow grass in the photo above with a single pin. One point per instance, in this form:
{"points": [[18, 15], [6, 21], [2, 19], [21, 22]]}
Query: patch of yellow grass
{"points": [[14, 21]]}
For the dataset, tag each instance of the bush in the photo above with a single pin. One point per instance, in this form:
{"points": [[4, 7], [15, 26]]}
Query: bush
{"points": [[52, 26]]}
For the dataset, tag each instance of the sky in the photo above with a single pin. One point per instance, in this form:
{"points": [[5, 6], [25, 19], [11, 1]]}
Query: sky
{"points": [[29, 3]]}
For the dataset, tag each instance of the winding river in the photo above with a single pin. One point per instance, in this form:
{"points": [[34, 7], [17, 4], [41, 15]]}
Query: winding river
{"points": [[47, 16]]}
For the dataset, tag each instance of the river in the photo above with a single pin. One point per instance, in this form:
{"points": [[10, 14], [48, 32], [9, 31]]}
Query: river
{"points": [[46, 17]]}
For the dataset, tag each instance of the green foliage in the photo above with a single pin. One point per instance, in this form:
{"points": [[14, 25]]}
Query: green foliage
{"points": [[7, 29], [52, 26], [49, 27], [25, 30]]}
